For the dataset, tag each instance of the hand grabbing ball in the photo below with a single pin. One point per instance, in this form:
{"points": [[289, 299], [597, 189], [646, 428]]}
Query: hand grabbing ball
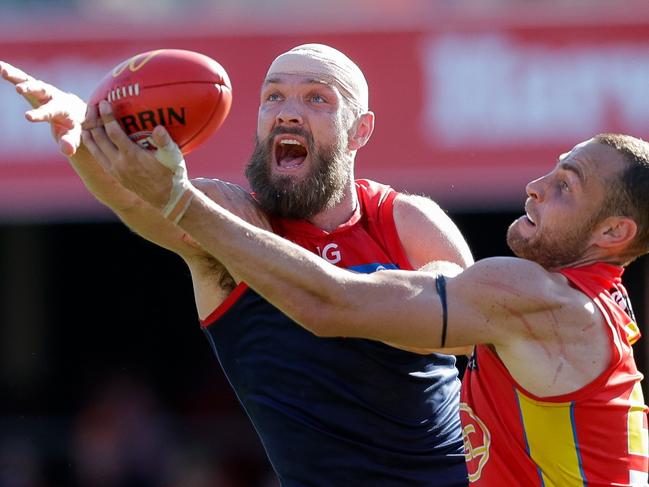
{"points": [[187, 92]]}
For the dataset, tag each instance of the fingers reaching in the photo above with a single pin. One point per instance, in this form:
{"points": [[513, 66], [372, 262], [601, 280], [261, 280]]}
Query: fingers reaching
{"points": [[36, 92], [70, 140], [12, 73], [63, 111]]}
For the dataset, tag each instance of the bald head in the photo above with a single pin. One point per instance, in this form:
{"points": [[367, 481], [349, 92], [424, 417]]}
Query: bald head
{"points": [[329, 65]]}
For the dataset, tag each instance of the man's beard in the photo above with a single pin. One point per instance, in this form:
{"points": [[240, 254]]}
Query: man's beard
{"points": [[551, 252], [293, 197]]}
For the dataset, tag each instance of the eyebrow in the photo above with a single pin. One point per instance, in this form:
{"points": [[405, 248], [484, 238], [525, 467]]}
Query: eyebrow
{"points": [[567, 166]]}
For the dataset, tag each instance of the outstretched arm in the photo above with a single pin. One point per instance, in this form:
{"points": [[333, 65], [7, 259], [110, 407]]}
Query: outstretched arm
{"points": [[67, 114], [528, 315], [399, 307], [486, 303], [511, 303]]}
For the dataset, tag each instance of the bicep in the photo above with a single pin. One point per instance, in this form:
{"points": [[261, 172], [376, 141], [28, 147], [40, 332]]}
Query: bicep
{"points": [[483, 304], [501, 300]]}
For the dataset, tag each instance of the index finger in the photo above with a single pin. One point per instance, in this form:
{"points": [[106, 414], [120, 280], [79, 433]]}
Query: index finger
{"points": [[12, 74], [113, 129]]}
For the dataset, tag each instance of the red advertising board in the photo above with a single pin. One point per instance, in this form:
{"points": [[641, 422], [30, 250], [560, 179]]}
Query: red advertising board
{"points": [[465, 114]]}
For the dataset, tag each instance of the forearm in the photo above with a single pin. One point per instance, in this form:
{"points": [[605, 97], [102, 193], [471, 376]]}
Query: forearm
{"points": [[103, 186], [325, 299], [134, 212]]}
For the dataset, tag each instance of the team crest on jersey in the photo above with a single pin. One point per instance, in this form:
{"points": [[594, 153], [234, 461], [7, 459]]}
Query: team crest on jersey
{"points": [[477, 441]]}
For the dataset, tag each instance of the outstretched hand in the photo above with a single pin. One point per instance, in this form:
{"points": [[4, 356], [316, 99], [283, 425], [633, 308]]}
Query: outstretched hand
{"points": [[63, 111], [146, 173]]}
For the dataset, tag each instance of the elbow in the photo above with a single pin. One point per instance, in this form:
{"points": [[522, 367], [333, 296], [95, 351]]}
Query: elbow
{"points": [[324, 329], [330, 308], [320, 319]]}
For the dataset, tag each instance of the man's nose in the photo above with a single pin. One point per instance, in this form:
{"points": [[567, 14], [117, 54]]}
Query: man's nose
{"points": [[289, 113], [534, 189]]}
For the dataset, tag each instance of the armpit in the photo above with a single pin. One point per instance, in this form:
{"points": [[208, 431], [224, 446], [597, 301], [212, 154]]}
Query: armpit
{"points": [[211, 269]]}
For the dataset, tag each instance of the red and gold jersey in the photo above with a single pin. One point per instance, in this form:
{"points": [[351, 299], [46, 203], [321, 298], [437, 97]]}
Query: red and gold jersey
{"points": [[596, 436]]}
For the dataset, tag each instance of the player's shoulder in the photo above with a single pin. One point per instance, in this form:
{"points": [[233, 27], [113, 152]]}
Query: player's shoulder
{"points": [[223, 192], [422, 216], [213, 185], [514, 269], [419, 207], [427, 232], [235, 199], [519, 280]]}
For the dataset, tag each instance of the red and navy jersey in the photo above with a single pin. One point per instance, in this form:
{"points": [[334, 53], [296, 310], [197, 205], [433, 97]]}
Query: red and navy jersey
{"points": [[595, 436], [342, 411]]}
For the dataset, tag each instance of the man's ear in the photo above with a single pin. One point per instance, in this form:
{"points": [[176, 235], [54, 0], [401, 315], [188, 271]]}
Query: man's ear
{"points": [[361, 131], [615, 232]]}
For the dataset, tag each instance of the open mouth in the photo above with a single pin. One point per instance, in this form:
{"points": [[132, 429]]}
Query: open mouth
{"points": [[290, 152], [529, 217]]}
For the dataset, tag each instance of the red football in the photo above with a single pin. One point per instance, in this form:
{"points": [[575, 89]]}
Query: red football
{"points": [[187, 92]]}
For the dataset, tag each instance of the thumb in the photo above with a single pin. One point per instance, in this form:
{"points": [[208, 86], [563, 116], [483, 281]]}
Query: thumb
{"points": [[168, 153]]}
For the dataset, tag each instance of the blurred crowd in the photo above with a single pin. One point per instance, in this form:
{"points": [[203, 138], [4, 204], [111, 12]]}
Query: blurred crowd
{"points": [[123, 437]]}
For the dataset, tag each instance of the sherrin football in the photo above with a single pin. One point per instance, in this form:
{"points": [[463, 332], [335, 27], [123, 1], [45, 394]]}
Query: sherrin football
{"points": [[187, 92]]}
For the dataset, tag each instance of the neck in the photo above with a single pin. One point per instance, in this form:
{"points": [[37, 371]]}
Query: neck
{"points": [[340, 212], [594, 259]]}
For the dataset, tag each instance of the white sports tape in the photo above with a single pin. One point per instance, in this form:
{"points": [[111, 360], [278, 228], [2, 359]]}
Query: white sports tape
{"points": [[171, 157]]}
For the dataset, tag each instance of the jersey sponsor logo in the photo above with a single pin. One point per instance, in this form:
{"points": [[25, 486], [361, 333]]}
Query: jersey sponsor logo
{"points": [[330, 253], [477, 441], [372, 267]]}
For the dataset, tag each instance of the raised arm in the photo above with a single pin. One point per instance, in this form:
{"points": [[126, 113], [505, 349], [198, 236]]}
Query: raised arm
{"points": [[86, 151], [527, 314], [67, 113], [400, 307]]}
